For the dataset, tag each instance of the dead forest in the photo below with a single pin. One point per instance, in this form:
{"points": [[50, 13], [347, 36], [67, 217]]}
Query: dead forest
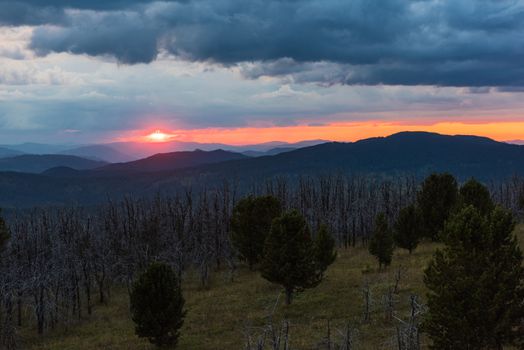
{"points": [[60, 262]]}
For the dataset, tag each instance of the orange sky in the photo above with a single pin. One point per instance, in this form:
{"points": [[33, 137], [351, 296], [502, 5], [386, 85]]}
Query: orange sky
{"points": [[501, 131]]}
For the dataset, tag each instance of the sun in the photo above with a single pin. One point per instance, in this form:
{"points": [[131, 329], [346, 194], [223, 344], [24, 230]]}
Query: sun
{"points": [[158, 136]]}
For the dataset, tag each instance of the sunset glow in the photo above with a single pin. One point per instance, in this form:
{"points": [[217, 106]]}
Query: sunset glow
{"points": [[158, 136], [342, 132], [61, 82]]}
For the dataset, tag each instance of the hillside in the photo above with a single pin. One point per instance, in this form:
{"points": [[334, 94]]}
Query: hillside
{"points": [[172, 161], [217, 318], [23, 190], [38, 163]]}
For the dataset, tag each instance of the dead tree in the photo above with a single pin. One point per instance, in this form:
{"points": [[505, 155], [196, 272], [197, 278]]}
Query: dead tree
{"points": [[366, 291], [408, 332], [388, 302], [398, 276]]}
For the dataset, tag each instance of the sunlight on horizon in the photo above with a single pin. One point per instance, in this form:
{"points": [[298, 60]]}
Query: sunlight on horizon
{"points": [[158, 136], [341, 132]]}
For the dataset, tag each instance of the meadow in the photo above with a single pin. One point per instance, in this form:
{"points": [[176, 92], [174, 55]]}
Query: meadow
{"points": [[221, 317]]}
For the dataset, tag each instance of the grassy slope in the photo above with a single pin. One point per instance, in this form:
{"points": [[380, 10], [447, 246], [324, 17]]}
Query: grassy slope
{"points": [[217, 317]]}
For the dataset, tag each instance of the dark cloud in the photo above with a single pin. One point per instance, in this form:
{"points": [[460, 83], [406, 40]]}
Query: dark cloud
{"points": [[36, 12], [125, 35], [74, 4], [16, 13], [406, 42]]}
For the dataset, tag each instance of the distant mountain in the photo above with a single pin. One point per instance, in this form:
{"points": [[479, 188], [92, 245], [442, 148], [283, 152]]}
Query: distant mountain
{"points": [[271, 152], [117, 152], [172, 161], [416, 153], [99, 152], [516, 142], [266, 146], [408, 153], [38, 163], [7, 152], [142, 150], [37, 148]]}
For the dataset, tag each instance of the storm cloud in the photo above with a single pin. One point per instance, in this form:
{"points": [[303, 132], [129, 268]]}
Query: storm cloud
{"points": [[360, 42]]}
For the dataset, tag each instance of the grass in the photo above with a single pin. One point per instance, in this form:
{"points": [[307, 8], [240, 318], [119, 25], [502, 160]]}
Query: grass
{"points": [[217, 317]]}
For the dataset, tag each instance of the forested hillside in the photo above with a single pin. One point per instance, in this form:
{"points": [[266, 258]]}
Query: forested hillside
{"points": [[339, 262]]}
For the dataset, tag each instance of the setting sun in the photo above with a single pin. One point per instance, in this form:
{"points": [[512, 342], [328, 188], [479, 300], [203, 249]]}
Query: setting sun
{"points": [[158, 136]]}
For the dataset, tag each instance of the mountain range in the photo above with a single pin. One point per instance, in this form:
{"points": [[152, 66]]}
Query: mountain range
{"points": [[99, 152], [7, 152], [171, 161], [413, 153], [37, 148], [118, 152], [30, 163]]}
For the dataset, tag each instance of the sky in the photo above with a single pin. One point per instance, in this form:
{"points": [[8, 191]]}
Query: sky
{"points": [[249, 71]]}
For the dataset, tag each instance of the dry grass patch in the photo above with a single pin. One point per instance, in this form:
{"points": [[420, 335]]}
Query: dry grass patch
{"points": [[217, 317]]}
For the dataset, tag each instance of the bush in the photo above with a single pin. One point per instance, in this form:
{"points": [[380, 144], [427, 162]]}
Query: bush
{"points": [[157, 305]]}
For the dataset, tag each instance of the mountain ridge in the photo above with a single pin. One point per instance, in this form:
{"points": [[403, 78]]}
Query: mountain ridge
{"points": [[35, 163], [414, 154], [461, 154], [172, 161], [7, 152], [98, 152]]}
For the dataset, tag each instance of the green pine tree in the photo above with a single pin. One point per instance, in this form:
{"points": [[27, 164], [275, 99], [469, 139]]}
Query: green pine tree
{"points": [[381, 244], [157, 305], [250, 224], [289, 255], [408, 228], [325, 253], [475, 283], [436, 201], [476, 194]]}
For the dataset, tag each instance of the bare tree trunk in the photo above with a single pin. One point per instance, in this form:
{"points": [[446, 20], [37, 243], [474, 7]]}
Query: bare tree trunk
{"points": [[289, 296], [367, 303], [19, 310], [40, 310]]}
